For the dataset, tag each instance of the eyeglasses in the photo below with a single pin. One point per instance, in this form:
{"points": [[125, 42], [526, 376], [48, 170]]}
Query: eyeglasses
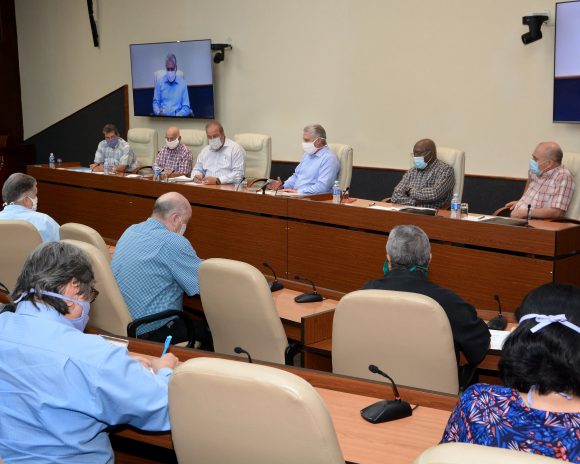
{"points": [[93, 294]]}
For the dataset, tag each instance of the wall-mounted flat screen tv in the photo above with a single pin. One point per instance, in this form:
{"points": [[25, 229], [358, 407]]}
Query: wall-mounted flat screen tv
{"points": [[173, 79], [567, 63]]}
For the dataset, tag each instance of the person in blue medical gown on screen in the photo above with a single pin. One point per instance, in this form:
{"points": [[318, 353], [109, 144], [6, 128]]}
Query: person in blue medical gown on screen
{"points": [[170, 97]]}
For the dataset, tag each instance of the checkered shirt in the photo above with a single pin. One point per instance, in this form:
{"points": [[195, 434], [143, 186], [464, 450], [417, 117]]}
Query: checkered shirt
{"points": [[431, 187], [154, 267], [178, 159], [551, 189]]}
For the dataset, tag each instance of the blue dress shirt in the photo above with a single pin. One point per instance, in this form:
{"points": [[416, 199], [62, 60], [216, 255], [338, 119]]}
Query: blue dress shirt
{"points": [[154, 267], [316, 173], [62, 389], [122, 154], [47, 227], [171, 98]]}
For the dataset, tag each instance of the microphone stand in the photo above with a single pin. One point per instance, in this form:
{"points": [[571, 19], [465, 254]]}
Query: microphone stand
{"points": [[276, 284], [311, 297], [498, 322], [386, 410]]}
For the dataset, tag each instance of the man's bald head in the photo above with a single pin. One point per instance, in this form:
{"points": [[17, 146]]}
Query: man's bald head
{"points": [[169, 207], [549, 151], [423, 146], [172, 133]]}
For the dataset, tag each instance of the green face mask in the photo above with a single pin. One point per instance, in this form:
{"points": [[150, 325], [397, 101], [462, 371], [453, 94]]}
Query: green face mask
{"points": [[386, 267], [421, 268]]}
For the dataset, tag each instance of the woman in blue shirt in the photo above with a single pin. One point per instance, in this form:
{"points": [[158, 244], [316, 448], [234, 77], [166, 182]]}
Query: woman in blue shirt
{"points": [[63, 389], [538, 409]]}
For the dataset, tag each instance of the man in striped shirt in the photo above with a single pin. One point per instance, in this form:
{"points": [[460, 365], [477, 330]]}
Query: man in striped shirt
{"points": [[175, 158], [550, 185], [223, 161]]}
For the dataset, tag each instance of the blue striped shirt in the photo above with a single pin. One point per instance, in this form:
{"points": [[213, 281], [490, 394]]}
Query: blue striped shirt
{"points": [[154, 267], [316, 173]]}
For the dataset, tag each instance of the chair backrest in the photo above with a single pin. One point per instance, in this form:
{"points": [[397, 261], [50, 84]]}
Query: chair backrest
{"points": [[345, 154], [75, 231], [258, 149], [572, 162], [405, 334], [144, 144], [250, 413], [456, 159], [240, 310], [18, 239], [159, 74], [195, 140], [460, 453], [109, 311]]}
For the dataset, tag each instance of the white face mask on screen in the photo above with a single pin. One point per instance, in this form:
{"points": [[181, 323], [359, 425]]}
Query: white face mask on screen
{"points": [[171, 76]]}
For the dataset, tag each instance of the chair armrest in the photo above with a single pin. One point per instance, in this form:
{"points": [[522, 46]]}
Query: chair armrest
{"points": [[139, 168], [502, 211], [291, 350], [132, 326], [251, 182], [386, 200]]}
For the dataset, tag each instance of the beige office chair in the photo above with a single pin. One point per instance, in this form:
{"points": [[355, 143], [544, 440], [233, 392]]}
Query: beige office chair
{"points": [[18, 239], [407, 335], [240, 311], [258, 149], [572, 162], [144, 144], [109, 311], [460, 453], [75, 231], [195, 140], [345, 155], [250, 413]]}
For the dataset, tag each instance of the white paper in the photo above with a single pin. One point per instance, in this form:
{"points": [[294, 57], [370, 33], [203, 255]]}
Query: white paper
{"points": [[385, 208], [476, 217], [180, 179], [497, 339], [133, 176]]}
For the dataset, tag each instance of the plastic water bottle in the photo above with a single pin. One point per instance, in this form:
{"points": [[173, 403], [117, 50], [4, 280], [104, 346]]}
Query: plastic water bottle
{"points": [[51, 161], [106, 166], [456, 207], [156, 172], [336, 192]]}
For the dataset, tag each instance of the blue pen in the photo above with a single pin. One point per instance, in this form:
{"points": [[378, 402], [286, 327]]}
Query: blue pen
{"points": [[166, 347]]}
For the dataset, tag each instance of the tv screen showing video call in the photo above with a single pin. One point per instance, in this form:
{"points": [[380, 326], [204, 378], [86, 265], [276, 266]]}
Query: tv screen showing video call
{"points": [[173, 79], [567, 63]]}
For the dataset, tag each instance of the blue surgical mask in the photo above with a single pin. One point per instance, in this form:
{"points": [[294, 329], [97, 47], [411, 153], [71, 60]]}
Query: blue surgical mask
{"points": [[215, 144], [80, 322], [112, 143], [386, 267], [535, 167], [419, 162]]}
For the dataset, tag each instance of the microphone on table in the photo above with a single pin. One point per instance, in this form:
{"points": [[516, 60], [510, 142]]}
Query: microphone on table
{"points": [[386, 410], [240, 350], [238, 185], [276, 284], [311, 297], [498, 322]]}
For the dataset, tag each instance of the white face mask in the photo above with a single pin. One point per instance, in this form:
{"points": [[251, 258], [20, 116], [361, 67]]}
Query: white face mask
{"points": [[34, 203], [309, 148], [172, 144], [215, 144], [182, 229], [171, 76]]}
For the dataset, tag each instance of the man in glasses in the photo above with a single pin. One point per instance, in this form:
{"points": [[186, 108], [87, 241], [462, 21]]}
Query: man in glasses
{"points": [[429, 183]]}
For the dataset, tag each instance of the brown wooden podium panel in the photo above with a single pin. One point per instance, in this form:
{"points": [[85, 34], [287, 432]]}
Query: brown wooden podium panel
{"points": [[344, 260]]}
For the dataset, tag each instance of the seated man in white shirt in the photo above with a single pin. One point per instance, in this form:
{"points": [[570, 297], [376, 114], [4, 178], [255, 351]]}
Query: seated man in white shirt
{"points": [[20, 196], [223, 161]]}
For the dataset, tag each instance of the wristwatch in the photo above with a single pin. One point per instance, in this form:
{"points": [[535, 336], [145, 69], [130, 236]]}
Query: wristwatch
{"points": [[218, 181]]}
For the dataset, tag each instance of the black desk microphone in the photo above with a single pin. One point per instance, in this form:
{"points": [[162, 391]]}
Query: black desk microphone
{"points": [[276, 284], [240, 350], [386, 410], [498, 322], [311, 297]]}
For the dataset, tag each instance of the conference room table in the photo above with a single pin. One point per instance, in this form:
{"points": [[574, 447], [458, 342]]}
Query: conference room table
{"points": [[400, 441], [338, 246]]}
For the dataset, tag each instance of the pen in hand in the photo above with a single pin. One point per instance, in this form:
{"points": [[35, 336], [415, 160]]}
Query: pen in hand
{"points": [[167, 343]]}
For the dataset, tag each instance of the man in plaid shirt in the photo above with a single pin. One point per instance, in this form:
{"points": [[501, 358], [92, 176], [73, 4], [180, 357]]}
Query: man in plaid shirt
{"points": [[174, 157], [429, 184], [549, 188]]}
